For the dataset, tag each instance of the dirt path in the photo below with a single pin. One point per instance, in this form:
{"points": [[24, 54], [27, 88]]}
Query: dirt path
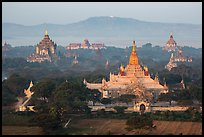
{"points": [[21, 130], [118, 127]]}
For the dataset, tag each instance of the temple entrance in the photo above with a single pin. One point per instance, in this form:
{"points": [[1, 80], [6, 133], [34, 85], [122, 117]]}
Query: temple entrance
{"points": [[142, 108]]}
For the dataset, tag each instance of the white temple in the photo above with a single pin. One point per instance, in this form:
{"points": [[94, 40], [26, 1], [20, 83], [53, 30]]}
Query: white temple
{"points": [[133, 79]]}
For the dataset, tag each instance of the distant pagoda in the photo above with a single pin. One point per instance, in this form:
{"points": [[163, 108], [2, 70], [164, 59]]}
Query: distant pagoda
{"points": [[45, 50], [6, 47], [171, 44]]}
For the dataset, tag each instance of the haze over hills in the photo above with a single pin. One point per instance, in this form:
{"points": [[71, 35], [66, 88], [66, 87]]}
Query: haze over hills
{"points": [[115, 31]]}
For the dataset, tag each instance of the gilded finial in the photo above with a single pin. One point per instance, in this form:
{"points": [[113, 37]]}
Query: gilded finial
{"points": [[46, 33], [133, 46], [121, 67]]}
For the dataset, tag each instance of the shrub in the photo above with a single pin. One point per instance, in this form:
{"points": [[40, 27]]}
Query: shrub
{"points": [[140, 121]]}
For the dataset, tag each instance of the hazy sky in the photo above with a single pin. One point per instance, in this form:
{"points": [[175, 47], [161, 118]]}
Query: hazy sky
{"points": [[33, 13]]}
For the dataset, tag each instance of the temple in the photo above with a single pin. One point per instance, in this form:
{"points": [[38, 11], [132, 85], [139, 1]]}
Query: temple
{"points": [[132, 79], [171, 46], [45, 50], [86, 45]]}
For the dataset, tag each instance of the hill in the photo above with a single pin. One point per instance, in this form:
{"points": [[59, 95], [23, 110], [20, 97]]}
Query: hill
{"points": [[111, 30]]}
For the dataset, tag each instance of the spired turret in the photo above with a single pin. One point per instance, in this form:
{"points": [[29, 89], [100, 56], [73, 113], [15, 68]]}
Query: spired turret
{"points": [[146, 73], [122, 70], [133, 56]]}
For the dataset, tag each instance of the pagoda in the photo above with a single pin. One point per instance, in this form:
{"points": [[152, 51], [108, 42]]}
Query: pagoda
{"points": [[45, 50], [132, 79], [6, 47]]}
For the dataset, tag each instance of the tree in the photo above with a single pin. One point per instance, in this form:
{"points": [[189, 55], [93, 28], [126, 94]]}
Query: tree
{"points": [[139, 121], [105, 100], [120, 109], [166, 97], [8, 97], [94, 95], [43, 89], [16, 84]]}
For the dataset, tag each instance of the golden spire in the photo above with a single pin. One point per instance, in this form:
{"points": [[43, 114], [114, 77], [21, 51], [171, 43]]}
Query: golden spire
{"points": [[133, 46], [133, 56], [145, 68], [46, 33]]}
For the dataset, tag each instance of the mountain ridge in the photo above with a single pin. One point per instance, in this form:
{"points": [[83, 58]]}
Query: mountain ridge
{"points": [[108, 27]]}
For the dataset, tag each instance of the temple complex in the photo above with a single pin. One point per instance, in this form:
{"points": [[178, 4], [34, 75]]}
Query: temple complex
{"points": [[96, 46], [72, 46], [86, 45], [171, 46], [45, 50], [132, 79]]}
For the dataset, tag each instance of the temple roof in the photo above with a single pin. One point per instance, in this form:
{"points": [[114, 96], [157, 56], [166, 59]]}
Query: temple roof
{"points": [[171, 41], [46, 42]]}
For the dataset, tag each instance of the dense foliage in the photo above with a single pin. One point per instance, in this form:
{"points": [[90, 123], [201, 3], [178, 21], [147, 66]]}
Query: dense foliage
{"points": [[139, 121]]}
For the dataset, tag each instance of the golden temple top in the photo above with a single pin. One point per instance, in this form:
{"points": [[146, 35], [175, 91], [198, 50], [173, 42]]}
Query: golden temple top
{"points": [[46, 33]]}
